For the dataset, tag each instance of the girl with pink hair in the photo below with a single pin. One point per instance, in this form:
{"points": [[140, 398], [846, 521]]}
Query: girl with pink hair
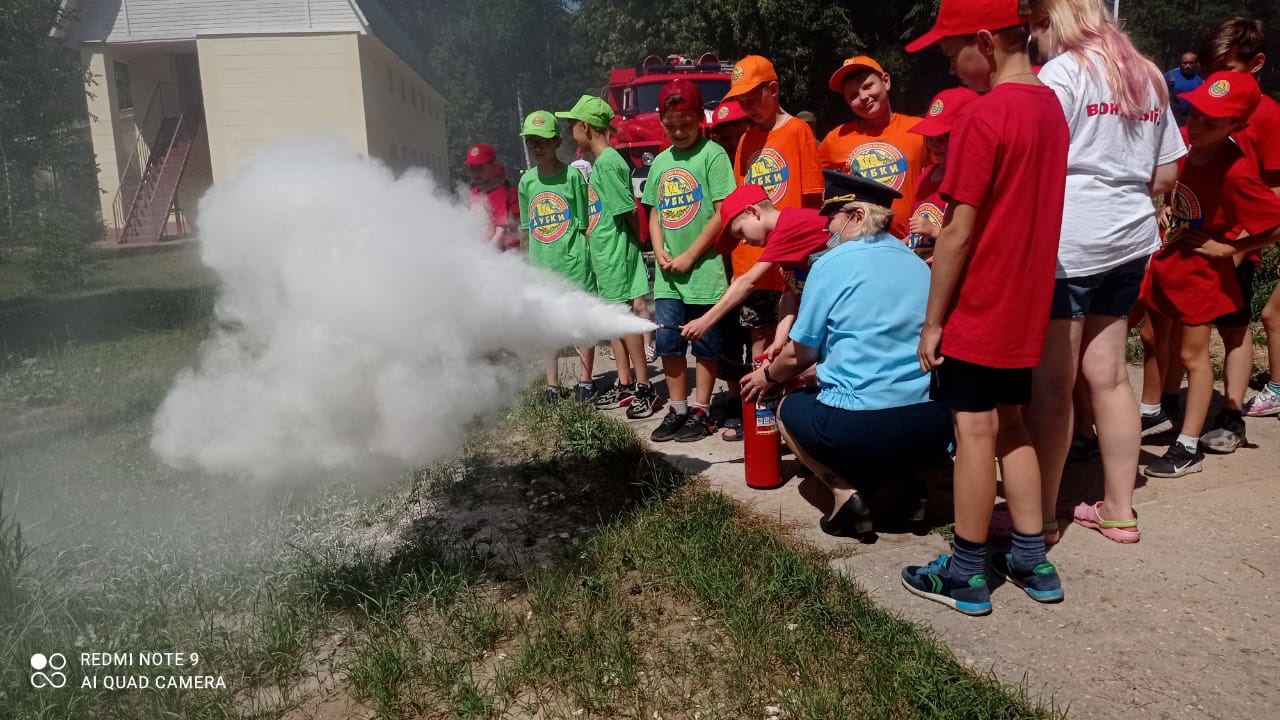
{"points": [[1124, 149]]}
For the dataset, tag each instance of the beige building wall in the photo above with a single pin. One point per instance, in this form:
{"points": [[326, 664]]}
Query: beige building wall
{"points": [[111, 129], [264, 90], [404, 116]]}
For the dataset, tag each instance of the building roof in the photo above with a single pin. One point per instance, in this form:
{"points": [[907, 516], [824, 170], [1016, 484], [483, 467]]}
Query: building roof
{"points": [[148, 21]]}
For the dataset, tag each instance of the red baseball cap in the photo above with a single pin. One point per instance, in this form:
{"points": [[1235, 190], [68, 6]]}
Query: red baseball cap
{"points": [[688, 92], [966, 17], [732, 207], [1226, 95], [480, 154], [943, 110], [727, 112]]}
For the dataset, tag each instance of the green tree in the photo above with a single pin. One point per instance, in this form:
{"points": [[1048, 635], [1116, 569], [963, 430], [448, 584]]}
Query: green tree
{"points": [[47, 177]]}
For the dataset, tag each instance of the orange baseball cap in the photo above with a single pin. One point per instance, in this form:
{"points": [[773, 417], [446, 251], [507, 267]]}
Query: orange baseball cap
{"points": [[850, 65], [748, 73]]}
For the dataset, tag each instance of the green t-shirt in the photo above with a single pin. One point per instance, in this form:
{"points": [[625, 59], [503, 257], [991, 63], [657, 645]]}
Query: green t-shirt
{"points": [[554, 211], [684, 186], [615, 251]]}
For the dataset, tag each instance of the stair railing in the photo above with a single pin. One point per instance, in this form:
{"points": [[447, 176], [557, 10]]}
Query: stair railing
{"points": [[126, 196]]}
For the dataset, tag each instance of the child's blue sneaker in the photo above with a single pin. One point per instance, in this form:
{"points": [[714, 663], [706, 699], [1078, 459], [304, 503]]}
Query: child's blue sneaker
{"points": [[1040, 582], [933, 581]]}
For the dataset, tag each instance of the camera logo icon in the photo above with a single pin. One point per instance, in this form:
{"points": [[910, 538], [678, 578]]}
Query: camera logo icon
{"points": [[54, 664]]}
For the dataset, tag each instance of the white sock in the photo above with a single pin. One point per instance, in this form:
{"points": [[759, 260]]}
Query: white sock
{"points": [[679, 407], [703, 408], [1188, 442], [1149, 410]]}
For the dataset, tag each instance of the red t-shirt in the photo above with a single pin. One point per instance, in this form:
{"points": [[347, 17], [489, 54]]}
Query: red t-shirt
{"points": [[931, 206], [785, 162], [1224, 194], [799, 234], [1008, 159], [503, 205], [1263, 133]]}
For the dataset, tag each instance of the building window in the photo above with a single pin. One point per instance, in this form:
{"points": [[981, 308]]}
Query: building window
{"points": [[124, 88]]}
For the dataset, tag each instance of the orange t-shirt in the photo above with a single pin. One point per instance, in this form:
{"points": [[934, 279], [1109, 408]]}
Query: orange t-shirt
{"points": [[785, 162], [891, 156]]}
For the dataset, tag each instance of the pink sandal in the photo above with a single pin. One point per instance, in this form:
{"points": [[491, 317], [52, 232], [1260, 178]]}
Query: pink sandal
{"points": [[1002, 526], [1121, 531]]}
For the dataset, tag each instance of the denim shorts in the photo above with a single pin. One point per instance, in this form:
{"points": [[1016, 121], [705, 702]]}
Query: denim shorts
{"points": [[1111, 293], [671, 314]]}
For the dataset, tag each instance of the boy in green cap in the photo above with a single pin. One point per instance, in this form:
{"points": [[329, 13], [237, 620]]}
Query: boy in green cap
{"points": [[553, 212], [613, 234]]}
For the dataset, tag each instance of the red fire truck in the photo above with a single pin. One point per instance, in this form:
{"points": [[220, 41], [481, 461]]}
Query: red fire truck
{"points": [[633, 93]]}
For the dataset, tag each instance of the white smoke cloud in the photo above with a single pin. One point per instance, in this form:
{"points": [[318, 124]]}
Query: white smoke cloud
{"points": [[360, 322]]}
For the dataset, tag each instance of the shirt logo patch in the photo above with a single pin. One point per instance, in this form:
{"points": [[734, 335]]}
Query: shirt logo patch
{"points": [[917, 242], [879, 161], [936, 108], [538, 121], [679, 198], [1219, 88], [593, 203], [1186, 209], [737, 74], [769, 169], [549, 217], [722, 113]]}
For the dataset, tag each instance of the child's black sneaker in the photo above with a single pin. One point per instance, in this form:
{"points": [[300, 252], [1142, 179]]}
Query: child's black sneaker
{"points": [[643, 402], [970, 595], [1156, 424], [615, 397], [1040, 582], [1178, 461], [585, 392], [671, 424], [696, 426], [551, 395]]}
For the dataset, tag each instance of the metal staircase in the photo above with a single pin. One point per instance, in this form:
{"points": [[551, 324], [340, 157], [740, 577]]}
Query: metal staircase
{"points": [[149, 183]]}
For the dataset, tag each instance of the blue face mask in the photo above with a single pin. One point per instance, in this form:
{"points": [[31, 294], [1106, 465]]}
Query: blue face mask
{"points": [[833, 236]]}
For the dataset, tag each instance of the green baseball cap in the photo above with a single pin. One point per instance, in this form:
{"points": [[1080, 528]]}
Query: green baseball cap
{"points": [[540, 123], [591, 110]]}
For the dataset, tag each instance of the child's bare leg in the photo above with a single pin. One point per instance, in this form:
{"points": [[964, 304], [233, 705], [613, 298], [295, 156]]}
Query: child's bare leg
{"points": [[1085, 423], [552, 365], [1155, 356], [1195, 357], [621, 361], [1237, 366], [640, 307], [1174, 370], [706, 378], [630, 352], [586, 364], [1049, 417], [1106, 375], [1021, 470], [1271, 322], [676, 369], [975, 473]]}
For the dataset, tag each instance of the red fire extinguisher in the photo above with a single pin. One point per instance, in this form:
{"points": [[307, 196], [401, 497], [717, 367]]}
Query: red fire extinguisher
{"points": [[762, 443]]}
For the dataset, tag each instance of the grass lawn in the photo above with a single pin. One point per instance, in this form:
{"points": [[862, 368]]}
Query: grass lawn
{"points": [[552, 569]]}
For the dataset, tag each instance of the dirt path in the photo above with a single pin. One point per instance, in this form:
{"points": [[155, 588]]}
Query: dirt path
{"points": [[1180, 625]]}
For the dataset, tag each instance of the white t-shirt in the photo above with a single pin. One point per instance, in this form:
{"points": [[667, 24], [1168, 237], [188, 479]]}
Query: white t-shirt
{"points": [[1108, 218]]}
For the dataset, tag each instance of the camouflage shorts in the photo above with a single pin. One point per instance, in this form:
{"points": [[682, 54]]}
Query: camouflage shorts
{"points": [[760, 309]]}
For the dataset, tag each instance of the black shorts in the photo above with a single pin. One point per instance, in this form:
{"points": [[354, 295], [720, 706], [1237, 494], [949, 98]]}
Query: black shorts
{"points": [[966, 387], [868, 447], [1240, 318]]}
